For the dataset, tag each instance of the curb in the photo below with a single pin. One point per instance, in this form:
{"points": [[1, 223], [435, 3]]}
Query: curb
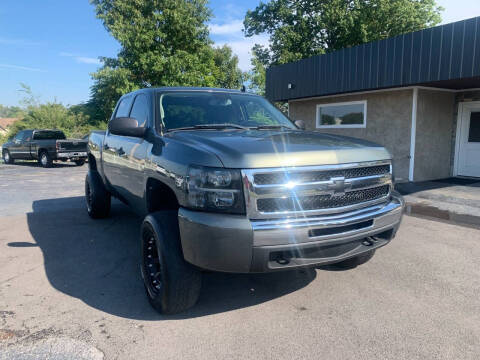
{"points": [[434, 213]]}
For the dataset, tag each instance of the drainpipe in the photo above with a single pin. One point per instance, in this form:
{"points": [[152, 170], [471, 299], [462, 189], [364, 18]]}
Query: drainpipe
{"points": [[413, 133]]}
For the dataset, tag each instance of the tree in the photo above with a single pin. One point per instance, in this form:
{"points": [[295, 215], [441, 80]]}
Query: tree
{"points": [[110, 84], [302, 28], [52, 115], [163, 43], [74, 121], [29, 98], [226, 72], [10, 111], [256, 76]]}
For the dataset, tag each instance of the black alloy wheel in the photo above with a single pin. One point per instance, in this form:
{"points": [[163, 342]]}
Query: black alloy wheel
{"points": [[152, 268]]}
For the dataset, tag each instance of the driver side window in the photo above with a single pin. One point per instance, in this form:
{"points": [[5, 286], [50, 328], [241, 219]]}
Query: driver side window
{"points": [[124, 107], [27, 136], [140, 110], [19, 136]]}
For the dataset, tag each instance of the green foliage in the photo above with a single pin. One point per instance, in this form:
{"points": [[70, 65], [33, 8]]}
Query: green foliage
{"points": [[10, 111], [225, 71], [74, 121], [110, 84], [29, 98], [257, 74], [302, 28], [163, 43], [53, 116]]}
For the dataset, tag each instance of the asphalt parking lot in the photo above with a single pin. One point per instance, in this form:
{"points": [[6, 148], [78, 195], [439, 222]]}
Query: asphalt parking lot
{"points": [[70, 288]]}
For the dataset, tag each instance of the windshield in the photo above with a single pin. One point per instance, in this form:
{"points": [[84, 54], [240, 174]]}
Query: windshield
{"points": [[190, 109], [49, 135]]}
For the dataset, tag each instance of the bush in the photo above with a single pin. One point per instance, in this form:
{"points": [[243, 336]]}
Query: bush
{"points": [[74, 121]]}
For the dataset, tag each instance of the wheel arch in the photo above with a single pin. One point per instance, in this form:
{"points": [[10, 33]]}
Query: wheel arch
{"points": [[40, 150], [160, 196], [92, 162]]}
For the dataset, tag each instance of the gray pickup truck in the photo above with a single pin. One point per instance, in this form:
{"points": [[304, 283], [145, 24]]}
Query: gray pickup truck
{"points": [[44, 146], [227, 183]]}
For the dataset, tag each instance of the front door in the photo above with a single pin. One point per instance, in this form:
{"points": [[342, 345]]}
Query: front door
{"points": [[468, 160], [25, 144], [15, 149]]}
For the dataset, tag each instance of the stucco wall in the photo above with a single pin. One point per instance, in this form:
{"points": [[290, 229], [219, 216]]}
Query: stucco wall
{"points": [[433, 146], [388, 122]]}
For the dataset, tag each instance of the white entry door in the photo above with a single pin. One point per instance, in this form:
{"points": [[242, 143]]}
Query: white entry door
{"points": [[468, 157]]}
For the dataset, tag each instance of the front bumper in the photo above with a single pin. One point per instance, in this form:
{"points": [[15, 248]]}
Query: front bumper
{"points": [[233, 243]]}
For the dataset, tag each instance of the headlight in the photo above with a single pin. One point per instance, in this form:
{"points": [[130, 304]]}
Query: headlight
{"points": [[215, 189]]}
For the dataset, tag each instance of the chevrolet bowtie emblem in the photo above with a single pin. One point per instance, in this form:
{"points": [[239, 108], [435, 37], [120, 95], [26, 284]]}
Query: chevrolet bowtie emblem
{"points": [[337, 186]]}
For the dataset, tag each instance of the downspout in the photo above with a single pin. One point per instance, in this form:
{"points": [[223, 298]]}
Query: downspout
{"points": [[413, 134]]}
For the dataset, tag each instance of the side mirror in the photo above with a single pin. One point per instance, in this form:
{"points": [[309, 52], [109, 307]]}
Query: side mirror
{"points": [[300, 124], [126, 126]]}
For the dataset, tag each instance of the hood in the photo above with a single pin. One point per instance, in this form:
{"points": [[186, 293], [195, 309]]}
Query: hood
{"points": [[265, 148]]}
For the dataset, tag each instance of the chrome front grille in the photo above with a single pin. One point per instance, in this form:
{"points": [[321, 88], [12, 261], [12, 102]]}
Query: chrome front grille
{"points": [[283, 177], [270, 205], [312, 190]]}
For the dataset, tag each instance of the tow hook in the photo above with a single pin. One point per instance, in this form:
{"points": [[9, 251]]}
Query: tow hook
{"points": [[283, 261], [367, 242]]}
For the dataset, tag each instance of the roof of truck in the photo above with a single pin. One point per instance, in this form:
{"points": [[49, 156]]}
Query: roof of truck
{"points": [[191, 88], [57, 130]]}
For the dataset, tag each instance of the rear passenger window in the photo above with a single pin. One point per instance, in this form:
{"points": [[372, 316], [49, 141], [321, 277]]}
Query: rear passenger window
{"points": [[49, 135], [124, 107], [140, 110]]}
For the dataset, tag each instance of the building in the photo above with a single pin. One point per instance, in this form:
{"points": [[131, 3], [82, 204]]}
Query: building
{"points": [[418, 94], [5, 123]]}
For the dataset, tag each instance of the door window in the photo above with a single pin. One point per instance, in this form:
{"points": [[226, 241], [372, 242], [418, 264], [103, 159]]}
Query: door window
{"points": [[140, 110], [19, 136], [27, 136], [474, 130], [124, 107]]}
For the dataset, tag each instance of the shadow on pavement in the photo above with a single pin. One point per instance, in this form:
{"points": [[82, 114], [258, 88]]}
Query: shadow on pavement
{"points": [[34, 163], [98, 262], [409, 188]]}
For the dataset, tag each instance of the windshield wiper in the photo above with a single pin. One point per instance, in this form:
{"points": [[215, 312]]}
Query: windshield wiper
{"points": [[211, 126], [266, 127]]}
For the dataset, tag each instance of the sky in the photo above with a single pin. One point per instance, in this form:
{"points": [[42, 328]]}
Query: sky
{"points": [[53, 45]]}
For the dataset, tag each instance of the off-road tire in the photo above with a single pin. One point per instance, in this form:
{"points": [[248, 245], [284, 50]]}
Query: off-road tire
{"points": [[97, 198], [355, 261], [179, 283], [80, 162], [7, 158], [44, 159]]}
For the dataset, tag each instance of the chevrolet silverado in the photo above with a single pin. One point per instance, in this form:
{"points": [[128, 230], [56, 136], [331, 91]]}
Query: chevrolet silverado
{"points": [[44, 146], [225, 182]]}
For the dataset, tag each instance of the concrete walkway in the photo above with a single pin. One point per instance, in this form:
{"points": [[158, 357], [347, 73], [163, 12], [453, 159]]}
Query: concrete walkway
{"points": [[454, 199]]}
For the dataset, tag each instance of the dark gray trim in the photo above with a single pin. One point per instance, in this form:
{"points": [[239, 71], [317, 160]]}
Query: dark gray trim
{"points": [[435, 55]]}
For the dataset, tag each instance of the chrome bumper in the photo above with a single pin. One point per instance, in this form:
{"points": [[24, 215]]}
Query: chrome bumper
{"points": [[302, 230], [234, 243], [70, 155]]}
